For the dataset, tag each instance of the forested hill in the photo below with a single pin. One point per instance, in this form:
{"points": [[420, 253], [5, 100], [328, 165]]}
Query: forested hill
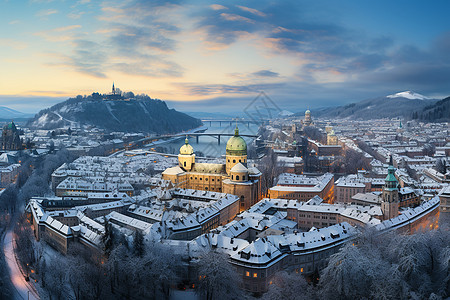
{"points": [[438, 112], [136, 114]]}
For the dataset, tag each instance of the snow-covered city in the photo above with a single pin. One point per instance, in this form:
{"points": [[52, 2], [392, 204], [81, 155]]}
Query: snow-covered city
{"points": [[195, 150]]}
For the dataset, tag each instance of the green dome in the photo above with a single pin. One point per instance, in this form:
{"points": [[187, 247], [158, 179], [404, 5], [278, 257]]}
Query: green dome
{"points": [[186, 149], [236, 145]]}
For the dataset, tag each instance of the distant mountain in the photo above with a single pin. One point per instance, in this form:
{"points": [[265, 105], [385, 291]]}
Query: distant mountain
{"points": [[397, 105], [138, 114], [9, 114], [437, 112], [409, 95]]}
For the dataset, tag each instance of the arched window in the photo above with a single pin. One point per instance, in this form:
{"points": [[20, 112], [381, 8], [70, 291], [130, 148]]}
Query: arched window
{"points": [[239, 160], [243, 177], [185, 164], [237, 177], [234, 161]]}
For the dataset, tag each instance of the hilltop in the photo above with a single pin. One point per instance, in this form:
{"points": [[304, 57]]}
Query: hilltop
{"points": [[138, 113]]}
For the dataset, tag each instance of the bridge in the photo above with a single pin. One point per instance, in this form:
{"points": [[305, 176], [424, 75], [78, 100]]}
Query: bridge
{"points": [[214, 135], [231, 121]]}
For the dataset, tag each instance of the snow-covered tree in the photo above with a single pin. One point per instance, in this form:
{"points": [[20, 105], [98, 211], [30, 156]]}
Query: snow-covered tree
{"points": [[217, 278], [289, 286]]}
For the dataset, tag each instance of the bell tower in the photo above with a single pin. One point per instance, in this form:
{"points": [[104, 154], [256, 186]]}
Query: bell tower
{"points": [[389, 204], [186, 158], [236, 151]]}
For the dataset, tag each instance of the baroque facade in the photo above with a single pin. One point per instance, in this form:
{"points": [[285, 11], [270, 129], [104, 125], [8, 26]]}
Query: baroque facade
{"points": [[234, 177]]}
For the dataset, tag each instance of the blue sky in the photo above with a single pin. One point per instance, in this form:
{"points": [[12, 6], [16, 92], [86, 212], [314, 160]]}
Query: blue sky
{"points": [[218, 55]]}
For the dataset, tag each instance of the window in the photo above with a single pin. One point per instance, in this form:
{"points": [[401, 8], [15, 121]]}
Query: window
{"points": [[185, 164], [212, 179], [255, 275], [206, 179], [301, 270], [237, 177], [243, 177], [234, 161], [232, 176], [247, 273], [239, 160]]}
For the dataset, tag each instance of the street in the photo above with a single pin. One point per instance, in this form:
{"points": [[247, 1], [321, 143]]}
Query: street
{"points": [[22, 290]]}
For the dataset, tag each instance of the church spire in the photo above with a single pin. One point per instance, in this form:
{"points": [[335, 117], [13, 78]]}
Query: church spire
{"points": [[113, 89]]}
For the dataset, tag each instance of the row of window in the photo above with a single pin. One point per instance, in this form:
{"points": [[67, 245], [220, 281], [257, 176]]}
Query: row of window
{"points": [[206, 179]]}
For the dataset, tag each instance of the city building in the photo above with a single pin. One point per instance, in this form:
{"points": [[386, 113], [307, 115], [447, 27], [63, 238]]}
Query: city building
{"points": [[332, 139], [444, 195], [303, 188]]}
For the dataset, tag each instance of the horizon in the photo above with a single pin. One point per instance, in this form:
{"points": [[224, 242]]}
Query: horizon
{"points": [[217, 56]]}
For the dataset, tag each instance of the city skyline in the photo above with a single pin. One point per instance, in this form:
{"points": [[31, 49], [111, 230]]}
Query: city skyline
{"points": [[198, 54]]}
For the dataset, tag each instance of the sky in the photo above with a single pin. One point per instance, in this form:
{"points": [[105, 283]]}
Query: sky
{"points": [[217, 56]]}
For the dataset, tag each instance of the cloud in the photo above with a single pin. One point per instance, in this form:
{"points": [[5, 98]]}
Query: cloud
{"points": [[234, 17], [59, 34], [14, 44], [88, 57], [46, 13], [136, 38], [252, 10], [265, 73], [225, 89], [217, 7]]}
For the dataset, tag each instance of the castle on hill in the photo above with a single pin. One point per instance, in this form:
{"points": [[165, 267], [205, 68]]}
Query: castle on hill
{"points": [[234, 177]]}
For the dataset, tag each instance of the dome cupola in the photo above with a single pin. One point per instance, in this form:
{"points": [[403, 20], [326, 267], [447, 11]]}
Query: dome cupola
{"points": [[186, 149], [236, 145]]}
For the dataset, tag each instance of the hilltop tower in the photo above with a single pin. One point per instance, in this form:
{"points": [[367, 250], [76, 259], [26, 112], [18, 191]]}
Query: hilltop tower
{"points": [[389, 203]]}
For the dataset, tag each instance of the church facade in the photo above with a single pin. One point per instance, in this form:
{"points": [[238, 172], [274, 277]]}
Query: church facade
{"points": [[234, 177], [11, 138]]}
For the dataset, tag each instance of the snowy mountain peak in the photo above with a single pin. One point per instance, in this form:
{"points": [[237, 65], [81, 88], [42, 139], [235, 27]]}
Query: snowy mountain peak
{"points": [[408, 95]]}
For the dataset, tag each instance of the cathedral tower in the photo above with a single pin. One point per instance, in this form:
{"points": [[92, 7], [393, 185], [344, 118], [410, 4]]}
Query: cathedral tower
{"points": [[236, 151], [186, 158]]}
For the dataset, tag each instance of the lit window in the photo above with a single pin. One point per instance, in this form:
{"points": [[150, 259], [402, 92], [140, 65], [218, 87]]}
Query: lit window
{"points": [[301, 270], [255, 275], [247, 273]]}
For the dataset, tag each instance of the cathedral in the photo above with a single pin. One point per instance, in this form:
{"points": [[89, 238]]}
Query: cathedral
{"points": [[11, 137], [234, 177]]}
